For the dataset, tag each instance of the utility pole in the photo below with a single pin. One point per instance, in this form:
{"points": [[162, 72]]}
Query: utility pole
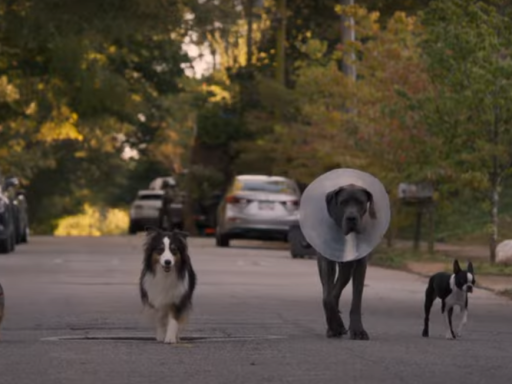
{"points": [[348, 35], [281, 42], [248, 14]]}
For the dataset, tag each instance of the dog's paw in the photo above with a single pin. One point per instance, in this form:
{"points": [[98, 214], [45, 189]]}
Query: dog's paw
{"points": [[336, 328], [335, 334], [424, 333], [450, 335], [359, 333]]}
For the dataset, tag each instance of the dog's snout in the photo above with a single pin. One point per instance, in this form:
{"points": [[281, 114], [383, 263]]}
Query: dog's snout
{"points": [[352, 220], [469, 288], [167, 263]]}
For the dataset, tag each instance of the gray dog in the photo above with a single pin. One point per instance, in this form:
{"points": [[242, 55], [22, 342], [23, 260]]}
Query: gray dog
{"points": [[346, 206]]}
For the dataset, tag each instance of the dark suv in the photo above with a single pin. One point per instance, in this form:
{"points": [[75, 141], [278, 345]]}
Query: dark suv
{"points": [[7, 218]]}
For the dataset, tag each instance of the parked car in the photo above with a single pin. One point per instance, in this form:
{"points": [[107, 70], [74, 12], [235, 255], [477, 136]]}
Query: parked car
{"points": [[145, 211], [157, 184], [257, 207], [7, 217]]}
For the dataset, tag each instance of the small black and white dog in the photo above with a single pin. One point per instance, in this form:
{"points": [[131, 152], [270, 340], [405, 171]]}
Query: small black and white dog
{"points": [[167, 281], [453, 291]]}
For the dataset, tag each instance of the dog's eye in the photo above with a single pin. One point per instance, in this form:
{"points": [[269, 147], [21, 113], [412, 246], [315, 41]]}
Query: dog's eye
{"points": [[173, 249]]}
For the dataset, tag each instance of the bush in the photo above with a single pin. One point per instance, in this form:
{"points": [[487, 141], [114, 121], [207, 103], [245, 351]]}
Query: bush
{"points": [[94, 221]]}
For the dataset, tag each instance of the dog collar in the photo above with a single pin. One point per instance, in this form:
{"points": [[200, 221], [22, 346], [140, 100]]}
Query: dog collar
{"points": [[320, 230]]}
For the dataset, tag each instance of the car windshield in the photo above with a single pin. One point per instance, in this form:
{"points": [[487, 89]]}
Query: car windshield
{"points": [[272, 186]]}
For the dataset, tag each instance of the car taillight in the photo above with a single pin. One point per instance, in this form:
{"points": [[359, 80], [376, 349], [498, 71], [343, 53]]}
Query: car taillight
{"points": [[232, 200], [292, 204], [236, 200]]}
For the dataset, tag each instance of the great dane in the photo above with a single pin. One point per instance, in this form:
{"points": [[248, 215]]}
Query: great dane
{"points": [[346, 206]]}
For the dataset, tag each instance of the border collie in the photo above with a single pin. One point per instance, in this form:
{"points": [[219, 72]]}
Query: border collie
{"points": [[167, 281], [453, 291]]}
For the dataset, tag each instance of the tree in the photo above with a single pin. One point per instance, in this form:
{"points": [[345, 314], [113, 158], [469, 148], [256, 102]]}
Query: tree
{"points": [[79, 84], [389, 66], [467, 49]]}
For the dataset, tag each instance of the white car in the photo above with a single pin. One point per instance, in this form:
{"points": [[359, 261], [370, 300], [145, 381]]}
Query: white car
{"points": [[257, 207], [145, 210], [157, 183]]}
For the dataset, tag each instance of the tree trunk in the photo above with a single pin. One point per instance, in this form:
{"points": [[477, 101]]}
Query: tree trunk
{"points": [[348, 35], [393, 227], [431, 228], [495, 185], [493, 241], [281, 43], [248, 15]]}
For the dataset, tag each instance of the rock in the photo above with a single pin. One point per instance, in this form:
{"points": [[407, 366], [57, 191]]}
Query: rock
{"points": [[504, 252]]}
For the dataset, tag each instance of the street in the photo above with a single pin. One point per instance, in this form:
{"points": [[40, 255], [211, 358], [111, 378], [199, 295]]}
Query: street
{"points": [[257, 319]]}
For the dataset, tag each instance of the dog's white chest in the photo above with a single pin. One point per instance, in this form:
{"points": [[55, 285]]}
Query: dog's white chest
{"points": [[350, 248], [457, 297], [165, 288]]}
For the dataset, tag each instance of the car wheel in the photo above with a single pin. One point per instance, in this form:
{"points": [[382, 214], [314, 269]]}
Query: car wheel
{"points": [[222, 240], [132, 229], [295, 238], [5, 245], [13, 242], [24, 236]]}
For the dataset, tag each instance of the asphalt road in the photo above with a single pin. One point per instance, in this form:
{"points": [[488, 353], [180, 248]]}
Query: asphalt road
{"points": [[257, 319]]}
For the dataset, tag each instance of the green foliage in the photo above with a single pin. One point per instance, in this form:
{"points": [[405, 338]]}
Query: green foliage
{"points": [[80, 84], [466, 49], [204, 180]]}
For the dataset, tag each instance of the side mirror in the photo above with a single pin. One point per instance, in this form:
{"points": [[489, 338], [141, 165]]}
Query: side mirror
{"points": [[11, 182]]}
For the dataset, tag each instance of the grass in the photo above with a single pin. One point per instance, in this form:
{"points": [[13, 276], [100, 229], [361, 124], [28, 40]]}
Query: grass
{"points": [[400, 258], [506, 292], [396, 258]]}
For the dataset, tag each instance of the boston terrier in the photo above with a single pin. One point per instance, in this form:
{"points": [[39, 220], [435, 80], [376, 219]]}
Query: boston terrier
{"points": [[453, 291]]}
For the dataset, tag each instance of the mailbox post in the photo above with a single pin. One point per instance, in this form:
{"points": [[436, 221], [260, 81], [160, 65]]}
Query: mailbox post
{"points": [[421, 197]]}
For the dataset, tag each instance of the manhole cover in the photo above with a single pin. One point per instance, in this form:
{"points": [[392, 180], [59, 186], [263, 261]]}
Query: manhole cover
{"points": [[189, 339]]}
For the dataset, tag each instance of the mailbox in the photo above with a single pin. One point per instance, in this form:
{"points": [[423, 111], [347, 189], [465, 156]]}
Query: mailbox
{"points": [[415, 192]]}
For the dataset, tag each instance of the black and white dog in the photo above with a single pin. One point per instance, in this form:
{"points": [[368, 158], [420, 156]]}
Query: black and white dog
{"points": [[346, 206], [167, 281], [453, 291]]}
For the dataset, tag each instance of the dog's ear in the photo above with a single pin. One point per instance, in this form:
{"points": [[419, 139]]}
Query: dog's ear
{"points": [[371, 205], [470, 268], [181, 233], [456, 266], [150, 230], [331, 198]]}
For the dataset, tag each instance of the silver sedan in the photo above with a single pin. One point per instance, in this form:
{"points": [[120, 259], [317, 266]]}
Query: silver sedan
{"points": [[257, 207]]}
